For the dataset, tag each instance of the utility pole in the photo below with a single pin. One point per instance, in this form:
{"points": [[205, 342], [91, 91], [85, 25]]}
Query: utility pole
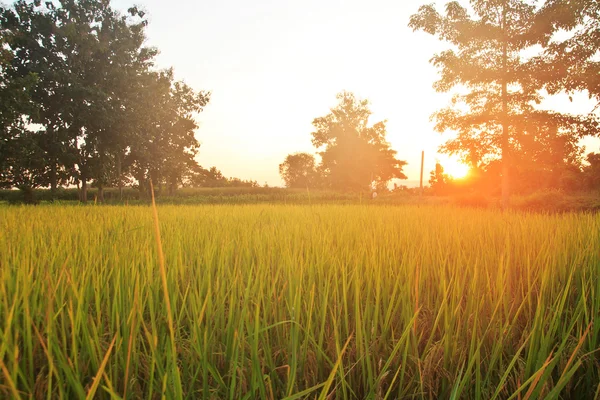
{"points": [[422, 164]]}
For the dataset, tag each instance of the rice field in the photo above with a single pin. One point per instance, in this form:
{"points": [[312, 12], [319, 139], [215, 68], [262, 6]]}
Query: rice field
{"points": [[280, 301]]}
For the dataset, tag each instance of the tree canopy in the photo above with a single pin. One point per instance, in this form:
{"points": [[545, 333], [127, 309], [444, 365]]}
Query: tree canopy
{"points": [[83, 103], [299, 170], [497, 88], [355, 155], [81, 98]]}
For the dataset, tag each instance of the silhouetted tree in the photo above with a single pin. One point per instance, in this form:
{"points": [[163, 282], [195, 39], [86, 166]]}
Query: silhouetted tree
{"points": [[439, 182], [355, 154], [211, 177], [494, 107]]}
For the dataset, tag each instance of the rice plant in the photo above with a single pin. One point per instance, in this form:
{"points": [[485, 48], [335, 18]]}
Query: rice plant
{"points": [[275, 301]]}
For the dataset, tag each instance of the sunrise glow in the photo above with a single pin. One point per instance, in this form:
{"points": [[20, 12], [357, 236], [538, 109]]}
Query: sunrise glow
{"points": [[456, 169]]}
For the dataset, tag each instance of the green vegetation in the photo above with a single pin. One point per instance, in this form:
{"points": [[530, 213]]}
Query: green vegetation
{"points": [[216, 195], [273, 301], [545, 201], [82, 101]]}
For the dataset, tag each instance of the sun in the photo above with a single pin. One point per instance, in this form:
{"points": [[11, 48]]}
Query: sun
{"points": [[456, 169]]}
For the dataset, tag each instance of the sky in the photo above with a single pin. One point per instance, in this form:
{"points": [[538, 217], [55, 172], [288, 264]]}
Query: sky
{"points": [[273, 66]]}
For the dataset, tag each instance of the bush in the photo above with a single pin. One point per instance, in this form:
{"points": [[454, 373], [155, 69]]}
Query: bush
{"points": [[557, 201]]}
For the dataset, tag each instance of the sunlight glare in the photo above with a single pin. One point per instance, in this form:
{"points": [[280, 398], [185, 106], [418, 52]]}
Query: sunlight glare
{"points": [[456, 169]]}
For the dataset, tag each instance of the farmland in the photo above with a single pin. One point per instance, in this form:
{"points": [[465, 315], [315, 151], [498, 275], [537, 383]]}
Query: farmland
{"points": [[298, 301]]}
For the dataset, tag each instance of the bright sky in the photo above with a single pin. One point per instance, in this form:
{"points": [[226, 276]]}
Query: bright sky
{"points": [[274, 65]]}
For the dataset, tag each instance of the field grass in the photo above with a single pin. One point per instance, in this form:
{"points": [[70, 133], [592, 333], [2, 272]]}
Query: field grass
{"points": [[275, 301]]}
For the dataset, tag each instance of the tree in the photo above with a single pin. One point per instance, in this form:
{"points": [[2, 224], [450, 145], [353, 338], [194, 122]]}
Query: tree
{"points": [[201, 177], [545, 156], [299, 170], [182, 145], [592, 171], [22, 161], [67, 46], [25, 165], [213, 178], [100, 110], [438, 180], [31, 44], [106, 57], [164, 145], [494, 106], [354, 153], [570, 65]]}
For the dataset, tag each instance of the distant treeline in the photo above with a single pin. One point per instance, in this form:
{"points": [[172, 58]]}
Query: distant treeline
{"points": [[542, 201], [192, 195]]}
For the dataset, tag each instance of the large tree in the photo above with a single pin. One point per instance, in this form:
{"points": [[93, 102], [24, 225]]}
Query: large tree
{"points": [[354, 153], [30, 30], [105, 55], [100, 110], [22, 160], [164, 145], [495, 86]]}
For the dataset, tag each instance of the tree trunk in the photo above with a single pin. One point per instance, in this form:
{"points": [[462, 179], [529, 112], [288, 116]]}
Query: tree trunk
{"points": [[160, 184], [141, 184], [28, 196], [100, 193], [53, 154], [84, 193], [505, 126], [172, 186], [53, 180], [119, 172], [556, 157]]}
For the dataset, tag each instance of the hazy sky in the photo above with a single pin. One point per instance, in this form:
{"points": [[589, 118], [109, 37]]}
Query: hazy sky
{"points": [[274, 65]]}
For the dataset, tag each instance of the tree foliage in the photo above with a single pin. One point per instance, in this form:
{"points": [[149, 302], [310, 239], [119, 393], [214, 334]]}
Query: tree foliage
{"points": [[569, 62], [439, 181], [354, 153], [299, 170], [78, 76], [592, 171], [496, 89]]}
